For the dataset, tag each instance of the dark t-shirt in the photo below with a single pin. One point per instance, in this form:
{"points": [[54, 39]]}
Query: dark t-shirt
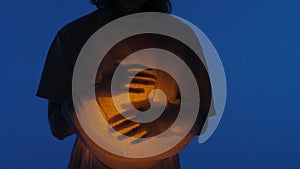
{"points": [[56, 80]]}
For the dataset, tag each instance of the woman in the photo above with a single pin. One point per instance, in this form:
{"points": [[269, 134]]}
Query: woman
{"points": [[56, 80]]}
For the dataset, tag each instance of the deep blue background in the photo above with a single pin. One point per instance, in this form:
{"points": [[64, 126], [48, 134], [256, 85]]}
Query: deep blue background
{"points": [[258, 42]]}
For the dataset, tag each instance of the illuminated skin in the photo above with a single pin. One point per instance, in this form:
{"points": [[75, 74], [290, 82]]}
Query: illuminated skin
{"points": [[130, 6]]}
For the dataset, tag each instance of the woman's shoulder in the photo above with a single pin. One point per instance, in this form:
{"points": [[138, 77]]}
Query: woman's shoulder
{"points": [[86, 24]]}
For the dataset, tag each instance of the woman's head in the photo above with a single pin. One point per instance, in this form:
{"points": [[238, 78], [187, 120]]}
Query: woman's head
{"points": [[143, 5]]}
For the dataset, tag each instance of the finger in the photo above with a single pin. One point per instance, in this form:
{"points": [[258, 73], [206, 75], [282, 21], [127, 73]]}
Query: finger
{"points": [[136, 90], [140, 81], [127, 127], [118, 122], [135, 134], [131, 131], [118, 118], [146, 74]]}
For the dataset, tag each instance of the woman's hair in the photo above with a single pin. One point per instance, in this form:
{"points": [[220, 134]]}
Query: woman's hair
{"points": [[164, 6]]}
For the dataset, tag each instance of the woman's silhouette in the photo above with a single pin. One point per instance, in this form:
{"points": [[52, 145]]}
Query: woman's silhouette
{"points": [[56, 81]]}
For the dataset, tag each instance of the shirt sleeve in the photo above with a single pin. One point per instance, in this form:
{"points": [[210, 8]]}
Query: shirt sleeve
{"points": [[56, 80]]}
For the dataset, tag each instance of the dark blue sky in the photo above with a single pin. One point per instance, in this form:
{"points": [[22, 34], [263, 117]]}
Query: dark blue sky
{"points": [[258, 42]]}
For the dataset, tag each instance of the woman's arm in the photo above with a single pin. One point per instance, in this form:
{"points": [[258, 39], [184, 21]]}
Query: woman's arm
{"points": [[58, 123]]}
